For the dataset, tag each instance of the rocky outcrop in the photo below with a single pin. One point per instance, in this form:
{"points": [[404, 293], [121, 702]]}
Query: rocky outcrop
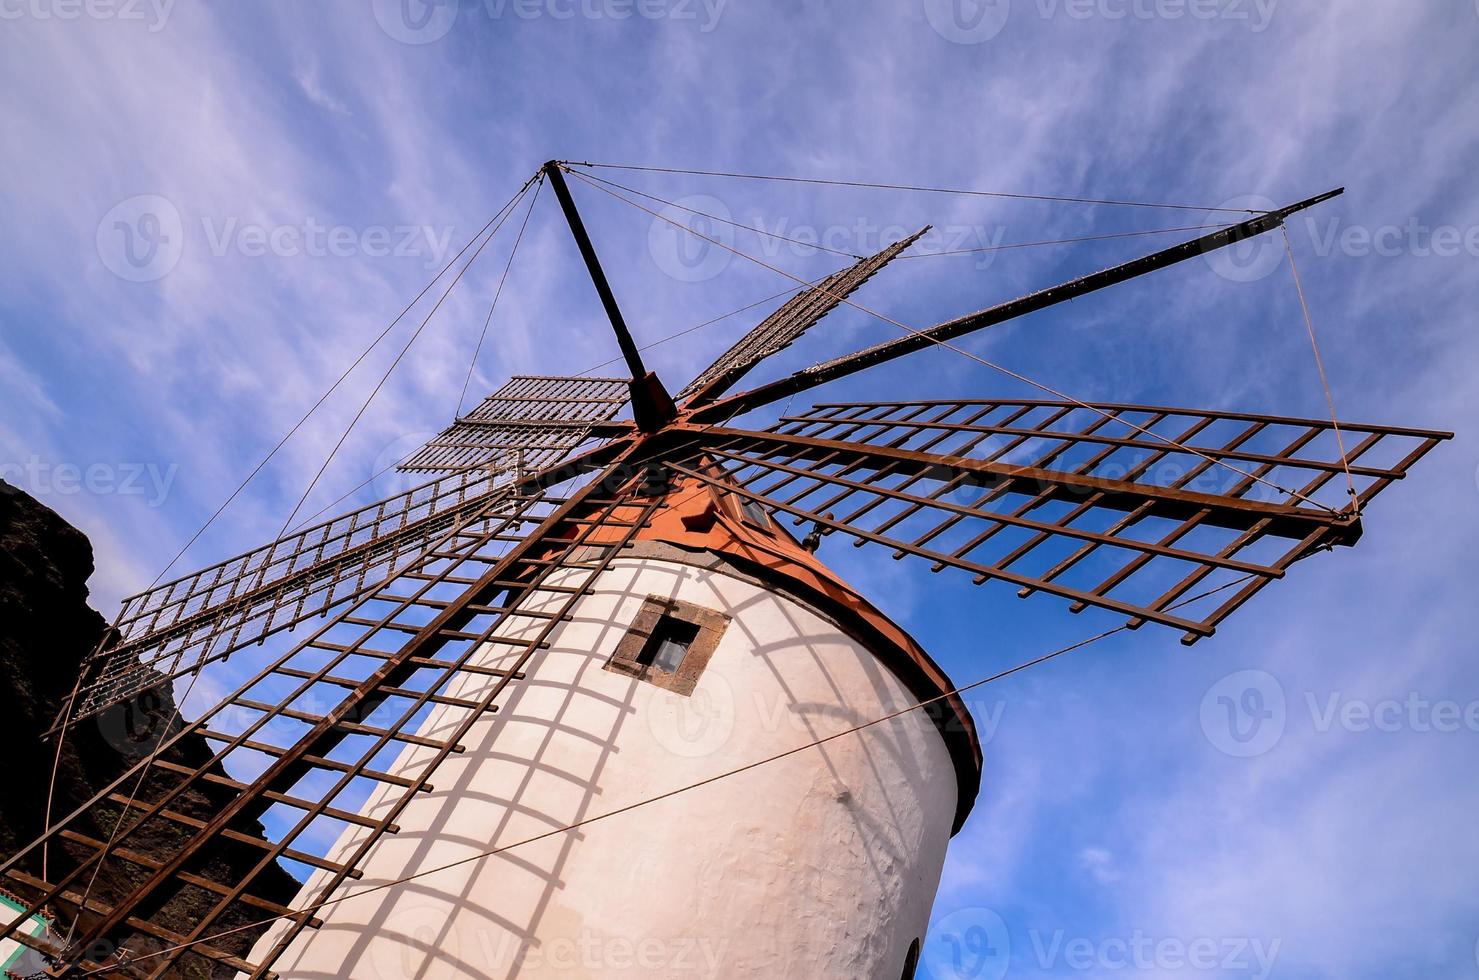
{"points": [[47, 630]]}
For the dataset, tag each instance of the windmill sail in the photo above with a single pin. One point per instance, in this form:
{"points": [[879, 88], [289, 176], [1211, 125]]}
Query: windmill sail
{"points": [[1130, 508], [528, 425], [917, 340], [794, 317]]}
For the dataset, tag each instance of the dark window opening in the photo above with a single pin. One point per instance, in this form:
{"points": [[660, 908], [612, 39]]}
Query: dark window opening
{"points": [[755, 512], [668, 645], [911, 962]]}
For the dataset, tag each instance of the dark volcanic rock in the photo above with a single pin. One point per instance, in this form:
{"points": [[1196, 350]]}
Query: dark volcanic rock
{"points": [[46, 631]]}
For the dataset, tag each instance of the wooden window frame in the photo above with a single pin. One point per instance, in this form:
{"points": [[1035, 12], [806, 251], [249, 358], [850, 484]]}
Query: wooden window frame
{"points": [[734, 505], [710, 623], [766, 525]]}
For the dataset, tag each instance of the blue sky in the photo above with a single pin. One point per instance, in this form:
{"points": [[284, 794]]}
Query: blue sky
{"points": [[310, 164]]}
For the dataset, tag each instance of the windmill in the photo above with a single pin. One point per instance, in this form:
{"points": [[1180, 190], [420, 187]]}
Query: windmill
{"points": [[461, 747]]}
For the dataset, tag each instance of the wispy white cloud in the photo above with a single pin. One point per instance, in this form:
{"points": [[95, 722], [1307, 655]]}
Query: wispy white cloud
{"points": [[308, 80]]}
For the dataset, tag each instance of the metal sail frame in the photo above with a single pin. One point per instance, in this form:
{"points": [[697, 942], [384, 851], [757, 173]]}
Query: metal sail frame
{"points": [[797, 315], [532, 422], [1106, 505], [175, 628]]}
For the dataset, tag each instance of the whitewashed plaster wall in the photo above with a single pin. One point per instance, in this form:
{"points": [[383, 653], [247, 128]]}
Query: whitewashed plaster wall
{"points": [[822, 865]]}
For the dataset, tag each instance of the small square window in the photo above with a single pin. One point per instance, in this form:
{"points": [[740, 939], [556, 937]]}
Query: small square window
{"points": [[669, 644], [755, 512]]}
